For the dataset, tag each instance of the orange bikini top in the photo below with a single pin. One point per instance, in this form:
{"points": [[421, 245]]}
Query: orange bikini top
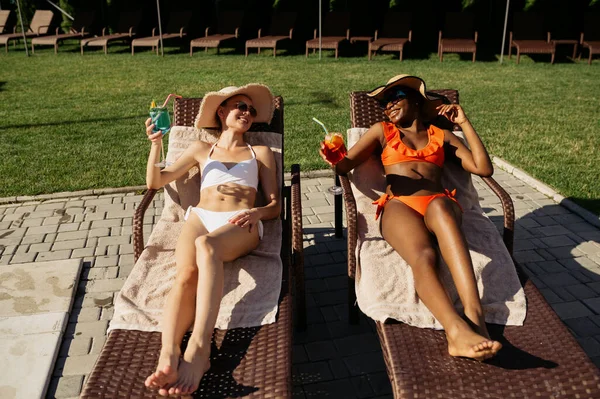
{"points": [[395, 151]]}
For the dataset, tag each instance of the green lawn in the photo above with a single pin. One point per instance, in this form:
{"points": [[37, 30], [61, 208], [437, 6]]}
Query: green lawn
{"points": [[71, 122]]}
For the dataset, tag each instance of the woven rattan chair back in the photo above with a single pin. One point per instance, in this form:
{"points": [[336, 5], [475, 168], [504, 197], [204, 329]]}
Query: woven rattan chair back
{"points": [[528, 26], [336, 23], [178, 20], [41, 21], [229, 21], [459, 25], [127, 20], [591, 27], [282, 22], [396, 24]]}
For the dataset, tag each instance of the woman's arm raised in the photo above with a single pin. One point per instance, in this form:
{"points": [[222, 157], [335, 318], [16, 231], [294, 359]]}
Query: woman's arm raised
{"points": [[156, 178], [360, 152], [476, 160]]}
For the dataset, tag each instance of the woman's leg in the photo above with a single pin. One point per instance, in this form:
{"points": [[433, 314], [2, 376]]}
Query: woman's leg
{"points": [[225, 244], [405, 230], [443, 218], [179, 309]]}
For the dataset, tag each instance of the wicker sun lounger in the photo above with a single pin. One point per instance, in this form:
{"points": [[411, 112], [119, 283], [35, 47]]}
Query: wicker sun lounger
{"points": [[281, 29], [461, 37], [126, 30], [82, 25], [590, 37], [541, 359], [245, 362], [528, 36], [227, 33], [4, 20], [175, 30], [336, 30], [39, 26], [395, 34]]}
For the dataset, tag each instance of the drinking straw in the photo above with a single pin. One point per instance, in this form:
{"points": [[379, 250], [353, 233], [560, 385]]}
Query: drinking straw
{"points": [[168, 98], [322, 125]]}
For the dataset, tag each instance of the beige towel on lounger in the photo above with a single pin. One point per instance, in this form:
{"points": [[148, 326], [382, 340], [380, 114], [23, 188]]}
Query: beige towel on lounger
{"points": [[252, 283], [384, 282]]}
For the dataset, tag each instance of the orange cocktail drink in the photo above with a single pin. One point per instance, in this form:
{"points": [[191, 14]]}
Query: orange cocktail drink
{"points": [[334, 148]]}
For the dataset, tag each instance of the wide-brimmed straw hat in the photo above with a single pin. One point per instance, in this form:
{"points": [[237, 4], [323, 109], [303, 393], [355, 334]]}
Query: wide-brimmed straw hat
{"points": [[261, 96], [415, 83]]}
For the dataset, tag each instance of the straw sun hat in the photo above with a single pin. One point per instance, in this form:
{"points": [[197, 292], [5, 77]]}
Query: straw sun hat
{"points": [[412, 82], [261, 96]]}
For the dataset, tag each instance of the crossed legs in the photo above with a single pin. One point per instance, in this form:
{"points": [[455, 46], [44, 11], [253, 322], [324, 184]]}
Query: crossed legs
{"points": [[411, 238], [195, 299]]}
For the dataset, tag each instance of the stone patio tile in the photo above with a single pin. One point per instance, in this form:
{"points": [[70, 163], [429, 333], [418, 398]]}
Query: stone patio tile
{"points": [[571, 310]]}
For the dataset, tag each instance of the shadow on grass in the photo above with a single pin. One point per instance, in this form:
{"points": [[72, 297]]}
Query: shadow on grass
{"points": [[83, 121], [323, 98], [2, 85]]}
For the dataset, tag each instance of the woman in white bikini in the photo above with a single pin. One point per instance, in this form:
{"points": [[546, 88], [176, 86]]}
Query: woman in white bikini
{"points": [[224, 226]]}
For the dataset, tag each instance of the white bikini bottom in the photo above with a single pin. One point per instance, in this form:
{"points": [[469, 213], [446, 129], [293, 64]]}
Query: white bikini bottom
{"points": [[213, 220]]}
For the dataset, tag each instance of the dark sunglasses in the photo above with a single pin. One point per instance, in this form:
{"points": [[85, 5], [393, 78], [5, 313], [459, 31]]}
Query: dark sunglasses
{"points": [[243, 107], [391, 97]]}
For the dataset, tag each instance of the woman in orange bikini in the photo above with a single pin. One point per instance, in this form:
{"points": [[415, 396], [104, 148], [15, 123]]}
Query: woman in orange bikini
{"points": [[413, 155]]}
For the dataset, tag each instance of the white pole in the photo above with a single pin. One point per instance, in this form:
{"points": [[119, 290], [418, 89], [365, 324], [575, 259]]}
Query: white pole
{"points": [[162, 49], [61, 10], [504, 34], [320, 40], [22, 28]]}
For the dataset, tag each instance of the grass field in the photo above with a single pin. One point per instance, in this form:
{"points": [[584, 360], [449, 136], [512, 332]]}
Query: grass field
{"points": [[72, 122]]}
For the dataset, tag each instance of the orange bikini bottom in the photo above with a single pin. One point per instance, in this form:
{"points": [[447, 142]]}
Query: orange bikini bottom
{"points": [[417, 202]]}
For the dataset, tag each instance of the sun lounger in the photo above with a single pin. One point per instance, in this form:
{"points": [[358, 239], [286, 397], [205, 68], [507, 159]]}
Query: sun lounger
{"points": [[281, 29], [82, 25], [336, 30], [4, 21], [175, 30], [460, 35], [396, 33], [226, 33], [126, 31], [39, 26], [528, 36], [249, 362], [539, 359], [590, 37]]}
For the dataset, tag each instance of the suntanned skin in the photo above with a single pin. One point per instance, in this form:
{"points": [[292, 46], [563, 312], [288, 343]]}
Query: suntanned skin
{"points": [[196, 294], [412, 238]]}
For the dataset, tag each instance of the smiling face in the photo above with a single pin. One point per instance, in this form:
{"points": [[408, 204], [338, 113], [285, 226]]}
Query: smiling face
{"points": [[402, 105], [234, 115]]}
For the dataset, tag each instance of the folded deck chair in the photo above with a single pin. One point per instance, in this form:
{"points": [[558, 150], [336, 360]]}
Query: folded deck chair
{"points": [[336, 30], [126, 30], [245, 362], [82, 25], [538, 359], [226, 33], [4, 21], [280, 30], [175, 30], [39, 26], [590, 37], [529, 37], [395, 34], [460, 35]]}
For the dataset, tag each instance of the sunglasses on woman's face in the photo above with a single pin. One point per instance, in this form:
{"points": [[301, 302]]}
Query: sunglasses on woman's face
{"points": [[392, 97], [243, 107]]}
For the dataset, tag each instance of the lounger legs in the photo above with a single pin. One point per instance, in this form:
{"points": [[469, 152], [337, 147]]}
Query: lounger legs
{"points": [[474, 52], [401, 51], [552, 59], [590, 57]]}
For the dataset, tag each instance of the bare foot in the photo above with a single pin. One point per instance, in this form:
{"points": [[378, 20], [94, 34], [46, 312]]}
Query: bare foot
{"points": [[463, 341], [476, 320], [166, 370], [195, 362]]}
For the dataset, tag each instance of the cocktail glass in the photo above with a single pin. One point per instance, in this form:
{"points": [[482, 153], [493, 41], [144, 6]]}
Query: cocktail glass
{"points": [[162, 123], [334, 150]]}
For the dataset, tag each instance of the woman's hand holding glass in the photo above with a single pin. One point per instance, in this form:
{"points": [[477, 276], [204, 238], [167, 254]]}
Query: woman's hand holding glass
{"points": [[154, 137], [333, 149]]}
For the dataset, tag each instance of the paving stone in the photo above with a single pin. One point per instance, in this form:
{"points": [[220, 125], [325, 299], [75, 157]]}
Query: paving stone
{"points": [[571, 310], [321, 259], [75, 346], [107, 314], [331, 270], [82, 252], [557, 241], [106, 261], [581, 291], [23, 258], [528, 256], [551, 266], [331, 297], [111, 272], [99, 232], [114, 240], [71, 244], [559, 279], [330, 389], [583, 327], [77, 365], [71, 235], [354, 344], [380, 383], [85, 315], [42, 230], [320, 350], [106, 223], [55, 255], [93, 216], [87, 329], [593, 303], [97, 344], [590, 346], [364, 363], [589, 248], [308, 373], [51, 206], [565, 252], [69, 386], [578, 262], [338, 329], [107, 285], [32, 222], [125, 270], [66, 227]]}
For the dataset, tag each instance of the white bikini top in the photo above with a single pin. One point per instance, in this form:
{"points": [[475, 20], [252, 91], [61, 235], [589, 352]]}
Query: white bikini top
{"points": [[244, 173]]}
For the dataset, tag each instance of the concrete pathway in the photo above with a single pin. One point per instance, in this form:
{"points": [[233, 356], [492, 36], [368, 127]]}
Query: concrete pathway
{"points": [[332, 358]]}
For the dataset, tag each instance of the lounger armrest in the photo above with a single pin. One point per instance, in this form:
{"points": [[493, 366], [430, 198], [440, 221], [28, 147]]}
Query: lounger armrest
{"points": [[439, 41], [259, 32], [315, 34], [181, 31], [138, 223], [237, 32], [581, 38], [507, 208], [549, 37], [297, 246], [510, 39], [351, 218], [476, 36], [206, 31], [40, 28], [347, 34], [153, 31], [291, 32], [410, 35], [104, 31], [131, 33]]}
